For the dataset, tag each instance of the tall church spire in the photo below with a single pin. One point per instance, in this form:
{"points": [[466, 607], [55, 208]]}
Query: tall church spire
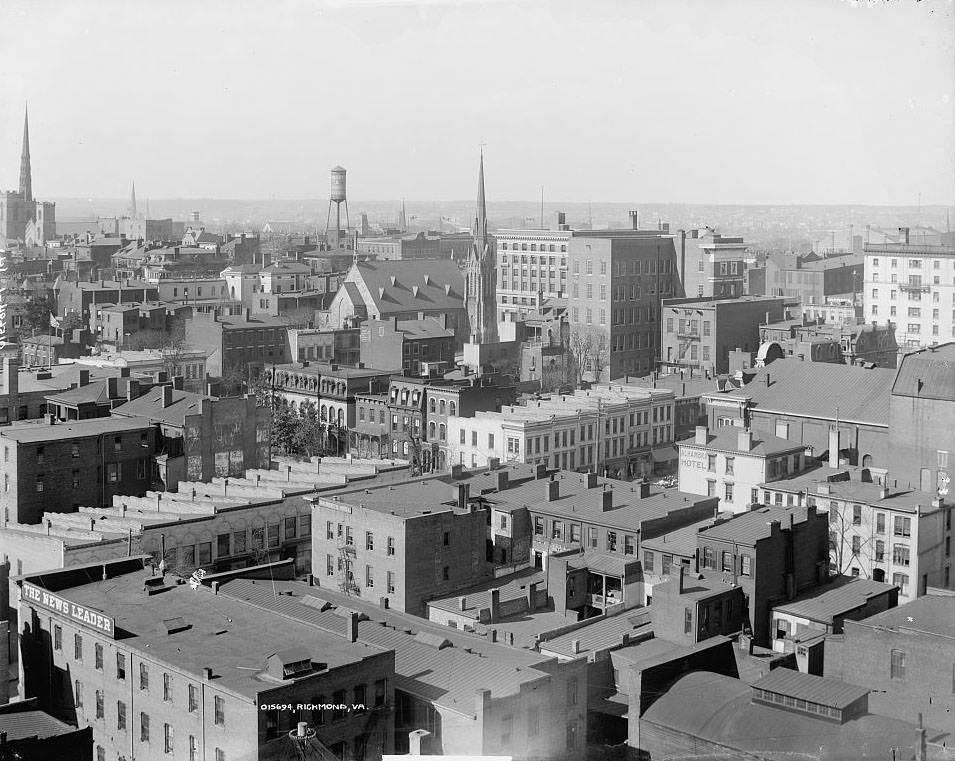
{"points": [[132, 202], [480, 220], [26, 179]]}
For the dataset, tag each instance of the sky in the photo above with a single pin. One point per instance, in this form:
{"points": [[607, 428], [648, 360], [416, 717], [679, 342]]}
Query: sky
{"points": [[693, 101]]}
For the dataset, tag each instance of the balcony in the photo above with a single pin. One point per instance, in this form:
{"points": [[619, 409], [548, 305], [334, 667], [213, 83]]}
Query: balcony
{"points": [[603, 601], [913, 287]]}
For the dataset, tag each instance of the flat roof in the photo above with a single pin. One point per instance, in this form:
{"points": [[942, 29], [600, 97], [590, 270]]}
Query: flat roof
{"points": [[929, 614], [25, 433], [225, 634], [825, 603], [448, 676]]}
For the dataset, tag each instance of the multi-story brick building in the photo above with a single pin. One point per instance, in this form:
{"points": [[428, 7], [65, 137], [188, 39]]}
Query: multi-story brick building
{"points": [[810, 280], [904, 657], [402, 247], [532, 266], [732, 464], [913, 286], [117, 665], [700, 332], [199, 437], [773, 553], [81, 298], [693, 607], [618, 280], [921, 404], [396, 543], [238, 344], [338, 346], [409, 347], [615, 430], [879, 532], [711, 265], [58, 467]]}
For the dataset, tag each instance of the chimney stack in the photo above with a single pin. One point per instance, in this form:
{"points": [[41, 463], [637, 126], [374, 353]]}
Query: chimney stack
{"points": [[532, 597], [502, 480], [681, 579], [166, 396], [606, 500], [644, 489], [552, 490], [495, 605], [744, 440], [833, 447], [462, 493], [418, 739], [351, 627], [701, 435], [591, 480], [84, 377]]}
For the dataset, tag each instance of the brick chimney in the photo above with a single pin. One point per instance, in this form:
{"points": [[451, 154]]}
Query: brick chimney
{"points": [[606, 500], [744, 440], [351, 627], [166, 396], [701, 435], [552, 490]]}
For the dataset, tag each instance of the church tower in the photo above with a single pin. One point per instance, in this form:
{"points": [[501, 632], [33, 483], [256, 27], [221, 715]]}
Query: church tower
{"points": [[26, 178], [481, 273], [133, 213]]}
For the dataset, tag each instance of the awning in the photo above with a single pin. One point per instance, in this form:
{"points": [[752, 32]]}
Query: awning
{"points": [[664, 454]]}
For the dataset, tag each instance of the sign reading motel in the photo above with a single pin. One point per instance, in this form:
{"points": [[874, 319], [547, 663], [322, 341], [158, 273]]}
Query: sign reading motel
{"points": [[34, 595]]}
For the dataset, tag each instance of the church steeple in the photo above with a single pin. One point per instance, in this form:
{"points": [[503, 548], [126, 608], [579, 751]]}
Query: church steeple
{"points": [[480, 220], [132, 202], [26, 179]]}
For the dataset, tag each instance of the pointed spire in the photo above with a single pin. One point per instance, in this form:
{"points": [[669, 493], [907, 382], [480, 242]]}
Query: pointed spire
{"points": [[26, 178], [480, 220], [132, 202]]}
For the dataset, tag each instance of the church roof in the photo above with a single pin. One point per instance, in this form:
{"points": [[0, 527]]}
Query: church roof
{"points": [[411, 286]]}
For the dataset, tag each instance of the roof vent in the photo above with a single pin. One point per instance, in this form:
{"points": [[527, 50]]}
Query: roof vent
{"points": [[173, 625]]}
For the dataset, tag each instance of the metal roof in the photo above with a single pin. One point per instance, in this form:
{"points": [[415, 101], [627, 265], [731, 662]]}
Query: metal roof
{"points": [[927, 374], [825, 603], [749, 528], [929, 614], [816, 689], [23, 724]]}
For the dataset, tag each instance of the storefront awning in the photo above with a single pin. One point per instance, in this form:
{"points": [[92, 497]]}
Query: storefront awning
{"points": [[664, 454]]}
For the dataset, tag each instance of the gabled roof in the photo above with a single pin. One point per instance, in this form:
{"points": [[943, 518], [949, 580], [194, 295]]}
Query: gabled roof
{"points": [[407, 286], [824, 603], [749, 528], [817, 689], [819, 389], [927, 374], [764, 445], [149, 405]]}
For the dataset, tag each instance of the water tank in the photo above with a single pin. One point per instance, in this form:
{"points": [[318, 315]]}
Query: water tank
{"points": [[338, 184]]}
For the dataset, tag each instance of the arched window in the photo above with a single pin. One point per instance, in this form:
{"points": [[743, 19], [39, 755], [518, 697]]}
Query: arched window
{"points": [[324, 413], [441, 406], [452, 408], [431, 430], [441, 432], [341, 417], [431, 406]]}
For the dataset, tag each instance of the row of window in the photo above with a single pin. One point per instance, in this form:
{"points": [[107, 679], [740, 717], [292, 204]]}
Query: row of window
{"points": [[728, 561], [629, 267], [547, 247], [114, 474], [335, 565], [913, 263], [636, 315], [343, 533]]}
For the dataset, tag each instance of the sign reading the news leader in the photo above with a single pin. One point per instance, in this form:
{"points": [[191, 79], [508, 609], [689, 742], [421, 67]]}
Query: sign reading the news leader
{"points": [[34, 595]]}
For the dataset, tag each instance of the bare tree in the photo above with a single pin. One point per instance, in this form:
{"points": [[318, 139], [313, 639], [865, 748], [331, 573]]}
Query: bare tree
{"points": [[852, 541], [588, 350]]}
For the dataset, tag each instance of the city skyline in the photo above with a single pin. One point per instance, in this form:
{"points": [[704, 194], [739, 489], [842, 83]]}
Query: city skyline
{"points": [[558, 93]]}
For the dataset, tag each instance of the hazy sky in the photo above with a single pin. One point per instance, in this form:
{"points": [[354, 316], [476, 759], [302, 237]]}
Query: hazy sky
{"points": [[736, 101]]}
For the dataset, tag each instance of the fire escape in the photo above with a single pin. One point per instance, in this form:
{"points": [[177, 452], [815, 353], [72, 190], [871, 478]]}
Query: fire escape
{"points": [[346, 576]]}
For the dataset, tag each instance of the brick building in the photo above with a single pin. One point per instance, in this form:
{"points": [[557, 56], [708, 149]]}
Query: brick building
{"points": [[711, 265], [532, 266], [693, 607], [338, 346], [142, 697], [811, 280], [199, 437], [59, 467], [618, 280], [408, 347], [904, 657], [82, 298], [701, 332], [922, 445], [238, 344], [773, 553]]}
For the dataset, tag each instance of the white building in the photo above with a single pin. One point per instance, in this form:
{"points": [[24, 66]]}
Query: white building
{"points": [[530, 263], [614, 430], [899, 536], [913, 286], [733, 463]]}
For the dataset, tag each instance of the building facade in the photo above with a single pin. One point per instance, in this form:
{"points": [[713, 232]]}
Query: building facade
{"points": [[480, 278], [532, 266]]}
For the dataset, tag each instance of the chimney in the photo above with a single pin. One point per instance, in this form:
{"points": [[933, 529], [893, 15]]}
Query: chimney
{"points": [[207, 673], [495, 605], [493, 463], [351, 627], [552, 490], [633, 220], [606, 502], [644, 489], [112, 389], [920, 745], [575, 646], [701, 435], [11, 376], [483, 702], [540, 471], [680, 579], [766, 378], [132, 390], [744, 440], [591, 480], [462, 493], [462, 603], [178, 382], [532, 597], [84, 377], [166, 396], [502, 480], [418, 742], [833, 447]]}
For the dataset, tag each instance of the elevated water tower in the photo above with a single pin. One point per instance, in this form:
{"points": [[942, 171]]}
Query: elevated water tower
{"points": [[337, 196]]}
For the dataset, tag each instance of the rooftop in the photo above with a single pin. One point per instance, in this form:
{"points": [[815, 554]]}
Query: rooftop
{"points": [[150, 405], [709, 303], [447, 676], [229, 636], [426, 328], [763, 444], [825, 603], [748, 528], [599, 634], [929, 614], [791, 386], [20, 725], [927, 374], [681, 542], [26, 433], [817, 689], [512, 587], [719, 709], [412, 285]]}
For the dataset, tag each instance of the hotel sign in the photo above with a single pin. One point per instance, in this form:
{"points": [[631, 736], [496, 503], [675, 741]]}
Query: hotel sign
{"points": [[93, 619]]}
